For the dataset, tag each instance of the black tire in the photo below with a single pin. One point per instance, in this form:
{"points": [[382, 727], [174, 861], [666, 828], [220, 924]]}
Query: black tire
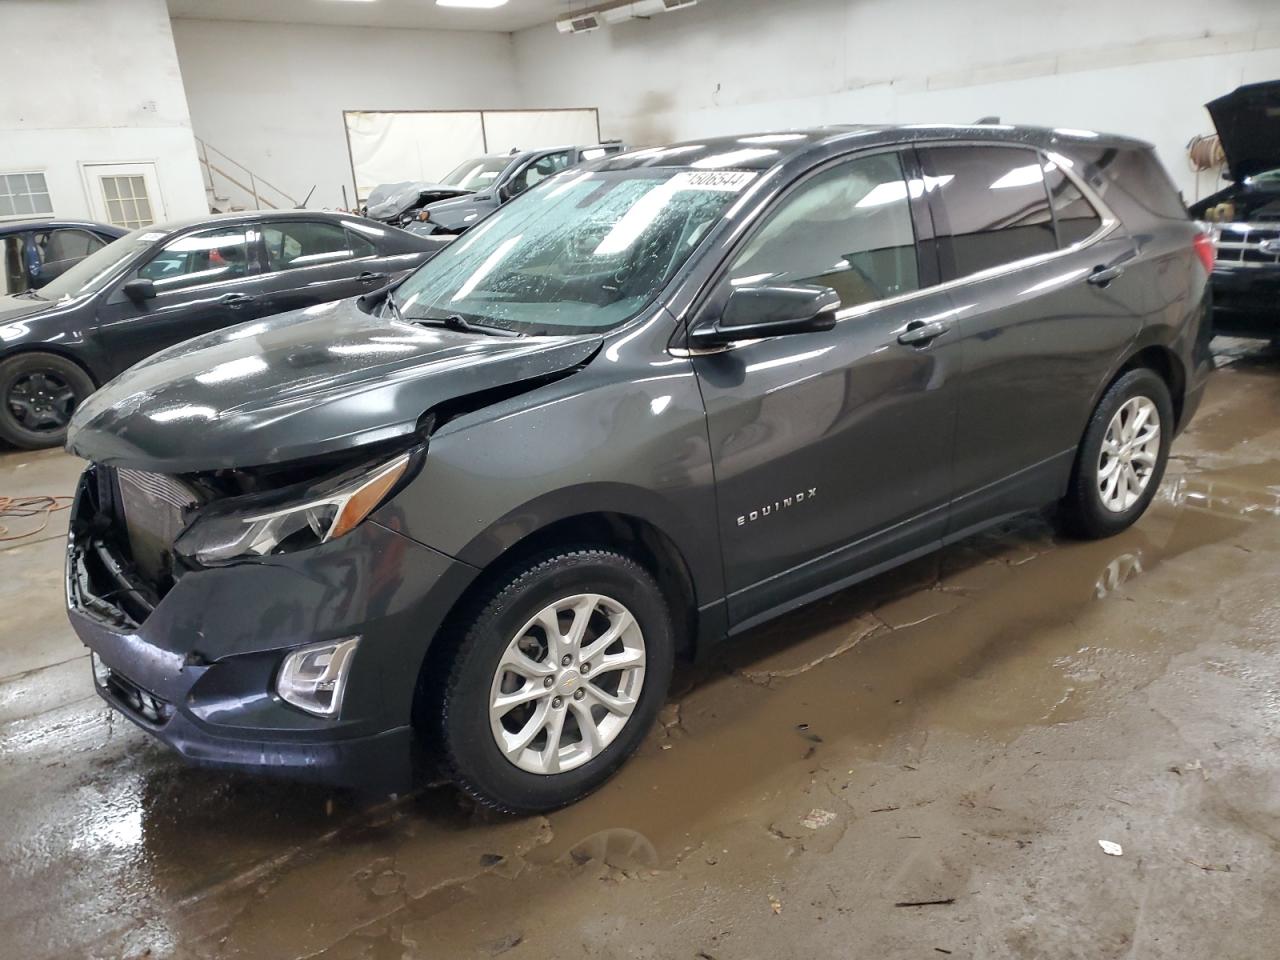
{"points": [[471, 755], [1082, 513], [38, 393]]}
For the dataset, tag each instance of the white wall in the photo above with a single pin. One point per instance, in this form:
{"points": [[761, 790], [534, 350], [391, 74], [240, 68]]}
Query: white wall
{"points": [[271, 96], [1142, 67], [95, 81]]}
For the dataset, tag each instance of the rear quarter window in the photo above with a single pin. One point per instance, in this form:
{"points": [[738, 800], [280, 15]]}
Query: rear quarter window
{"points": [[1133, 182]]}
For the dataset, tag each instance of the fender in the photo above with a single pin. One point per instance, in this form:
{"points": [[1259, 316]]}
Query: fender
{"points": [[584, 500]]}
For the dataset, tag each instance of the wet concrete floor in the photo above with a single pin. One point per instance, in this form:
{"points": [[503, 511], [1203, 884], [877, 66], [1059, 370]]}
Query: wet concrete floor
{"points": [[921, 766]]}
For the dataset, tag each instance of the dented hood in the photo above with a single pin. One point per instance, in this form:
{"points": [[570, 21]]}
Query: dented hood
{"points": [[387, 201], [298, 385], [1248, 122]]}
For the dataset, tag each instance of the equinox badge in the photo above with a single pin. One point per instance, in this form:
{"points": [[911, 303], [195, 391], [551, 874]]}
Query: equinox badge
{"points": [[777, 506]]}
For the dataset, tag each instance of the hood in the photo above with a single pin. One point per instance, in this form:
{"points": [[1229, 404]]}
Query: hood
{"points": [[387, 201], [1248, 122], [460, 213], [297, 385], [20, 308]]}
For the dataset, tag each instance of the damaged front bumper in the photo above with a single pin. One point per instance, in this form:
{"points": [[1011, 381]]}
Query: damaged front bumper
{"points": [[197, 667]]}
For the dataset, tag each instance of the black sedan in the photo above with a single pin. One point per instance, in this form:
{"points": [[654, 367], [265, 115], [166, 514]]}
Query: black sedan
{"points": [[37, 251], [163, 284]]}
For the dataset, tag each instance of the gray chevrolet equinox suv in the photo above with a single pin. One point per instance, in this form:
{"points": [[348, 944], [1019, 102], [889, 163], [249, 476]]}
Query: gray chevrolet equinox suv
{"points": [[651, 403]]}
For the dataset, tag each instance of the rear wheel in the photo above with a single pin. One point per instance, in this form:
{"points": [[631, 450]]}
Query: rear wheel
{"points": [[38, 394], [1122, 457], [557, 680]]}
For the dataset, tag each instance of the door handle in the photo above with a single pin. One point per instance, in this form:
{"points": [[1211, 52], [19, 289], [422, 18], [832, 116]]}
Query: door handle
{"points": [[1100, 275], [368, 277], [237, 300], [920, 333]]}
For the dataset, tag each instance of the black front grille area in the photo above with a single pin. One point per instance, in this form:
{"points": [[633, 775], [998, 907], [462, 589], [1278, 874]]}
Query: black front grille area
{"points": [[154, 509], [143, 704], [106, 578], [1247, 244]]}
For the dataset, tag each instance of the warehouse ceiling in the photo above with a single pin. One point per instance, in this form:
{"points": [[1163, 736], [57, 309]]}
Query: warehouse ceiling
{"points": [[514, 15]]}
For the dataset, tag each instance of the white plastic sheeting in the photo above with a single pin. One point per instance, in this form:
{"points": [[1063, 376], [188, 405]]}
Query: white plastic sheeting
{"points": [[507, 130], [396, 145], [390, 147]]}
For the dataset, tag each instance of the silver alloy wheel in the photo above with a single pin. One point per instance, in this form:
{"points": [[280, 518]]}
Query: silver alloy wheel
{"points": [[1129, 452], [567, 683]]}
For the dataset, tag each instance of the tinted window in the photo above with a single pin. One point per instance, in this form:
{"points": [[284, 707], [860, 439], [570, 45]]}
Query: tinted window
{"points": [[361, 246], [1075, 216], [990, 206], [206, 257], [848, 228], [58, 245], [539, 170], [1143, 182], [304, 244]]}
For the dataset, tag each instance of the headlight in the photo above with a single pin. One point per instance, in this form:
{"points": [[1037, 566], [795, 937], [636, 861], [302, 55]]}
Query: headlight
{"points": [[312, 678], [326, 516]]}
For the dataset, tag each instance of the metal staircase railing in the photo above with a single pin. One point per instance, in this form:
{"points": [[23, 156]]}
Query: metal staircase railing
{"points": [[255, 189]]}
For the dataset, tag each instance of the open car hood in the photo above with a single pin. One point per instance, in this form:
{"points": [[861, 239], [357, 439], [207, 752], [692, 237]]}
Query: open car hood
{"points": [[387, 201], [1248, 122], [298, 385]]}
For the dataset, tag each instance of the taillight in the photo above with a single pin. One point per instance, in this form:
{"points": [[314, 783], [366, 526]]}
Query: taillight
{"points": [[1203, 244]]}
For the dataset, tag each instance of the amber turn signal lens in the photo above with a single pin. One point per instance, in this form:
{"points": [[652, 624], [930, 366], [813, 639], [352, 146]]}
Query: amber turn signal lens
{"points": [[366, 498]]}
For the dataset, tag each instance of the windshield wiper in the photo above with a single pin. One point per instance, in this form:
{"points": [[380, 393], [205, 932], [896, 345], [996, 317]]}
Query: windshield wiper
{"points": [[456, 321]]}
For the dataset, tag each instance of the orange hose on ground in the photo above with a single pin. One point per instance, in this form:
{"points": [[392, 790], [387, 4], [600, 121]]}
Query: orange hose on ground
{"points": [[25, 507]]}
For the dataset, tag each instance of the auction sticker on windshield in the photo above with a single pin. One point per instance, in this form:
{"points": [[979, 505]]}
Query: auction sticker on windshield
{"points": [[730, 181]]}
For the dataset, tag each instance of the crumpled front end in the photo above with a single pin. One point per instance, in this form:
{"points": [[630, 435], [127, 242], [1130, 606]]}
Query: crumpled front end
{"points": [[194, 655]]}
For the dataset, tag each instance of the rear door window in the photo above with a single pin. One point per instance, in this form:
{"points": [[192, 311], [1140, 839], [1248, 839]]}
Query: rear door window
{"points": [[61, 248], [305, 243], [848, 228], [990, 206]]}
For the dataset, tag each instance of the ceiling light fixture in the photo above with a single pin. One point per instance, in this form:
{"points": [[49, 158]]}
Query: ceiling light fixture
{"points": [[478, 4]]}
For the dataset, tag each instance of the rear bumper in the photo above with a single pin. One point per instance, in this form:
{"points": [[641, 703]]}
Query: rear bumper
{"points": [[198, 672]]}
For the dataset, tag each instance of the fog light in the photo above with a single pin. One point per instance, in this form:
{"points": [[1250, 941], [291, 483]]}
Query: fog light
{"points": [[101, 672], [313, 677]]}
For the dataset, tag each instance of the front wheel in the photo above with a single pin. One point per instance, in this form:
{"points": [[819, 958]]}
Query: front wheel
{"points": [[557, 680], [38, 394], [1122, 457]]}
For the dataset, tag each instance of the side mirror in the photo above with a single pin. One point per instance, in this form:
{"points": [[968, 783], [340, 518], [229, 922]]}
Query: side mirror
{"points": [[139, 289], [770, 311]]}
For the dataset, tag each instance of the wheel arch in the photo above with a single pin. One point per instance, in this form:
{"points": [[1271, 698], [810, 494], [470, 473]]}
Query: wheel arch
{"points": [[26, 349], [629, 533], [1164, 362]]}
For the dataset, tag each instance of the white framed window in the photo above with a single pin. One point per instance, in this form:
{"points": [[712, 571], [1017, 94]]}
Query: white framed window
{"points": [[128, 204], [23, 195], [125, 194]]}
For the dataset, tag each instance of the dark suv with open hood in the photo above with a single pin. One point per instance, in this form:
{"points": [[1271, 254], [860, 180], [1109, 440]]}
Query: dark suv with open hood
{"points": [[1245, 216], [656, 401]]}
